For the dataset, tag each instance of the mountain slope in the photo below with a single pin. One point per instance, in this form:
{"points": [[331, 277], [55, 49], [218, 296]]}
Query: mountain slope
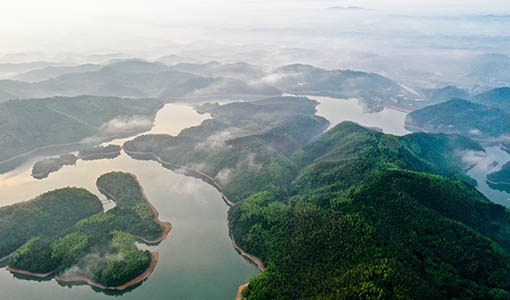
{"points": [[461, 117]]}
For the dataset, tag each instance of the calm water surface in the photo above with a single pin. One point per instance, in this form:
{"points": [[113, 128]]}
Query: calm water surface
{"points": [[197, 261], [392, 121], [483, 168], [339, 110]]}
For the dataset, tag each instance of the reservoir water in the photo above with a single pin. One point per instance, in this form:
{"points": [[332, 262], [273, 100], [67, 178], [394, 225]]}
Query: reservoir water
{"points": [[338, 110], [197, 261], [392, 121]]}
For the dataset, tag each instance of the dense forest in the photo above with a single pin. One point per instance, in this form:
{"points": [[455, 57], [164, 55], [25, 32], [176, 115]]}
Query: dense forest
{"points": [[351, 214], [48, 216], [239, 142], [35, 123], [355, 223], [462, 117], [98, 246]]}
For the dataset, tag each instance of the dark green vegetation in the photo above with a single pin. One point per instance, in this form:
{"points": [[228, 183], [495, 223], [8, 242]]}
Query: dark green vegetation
{"points": [[100, 152], [48, 216], [46, 166], [240, 142], [95, 245], [132, 213], [500, 180], [461, 117], [354, 222], [133, 262], [352, 214], [30, 124]]}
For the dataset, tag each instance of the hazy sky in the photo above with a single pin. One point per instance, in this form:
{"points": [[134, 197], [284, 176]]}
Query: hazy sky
{"points": [[118, 25]]}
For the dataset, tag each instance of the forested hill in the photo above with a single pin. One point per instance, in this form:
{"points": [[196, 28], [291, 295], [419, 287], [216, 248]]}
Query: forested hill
{"points": [[355, 223], [351, 213], [497, 98], [463, 117], [29, 124]]}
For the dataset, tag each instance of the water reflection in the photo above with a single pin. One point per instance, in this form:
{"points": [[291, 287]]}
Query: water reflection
{"points": [[487, 166], [338, 110], [197, 261]]}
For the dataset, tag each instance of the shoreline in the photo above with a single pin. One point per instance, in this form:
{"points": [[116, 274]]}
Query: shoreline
{"points": [[240, 291], [167, 226], [255, 260], [497, 183], [98, 155], [92, 141], [251, 258], [199, 172], [27, 273], [142, 277]]}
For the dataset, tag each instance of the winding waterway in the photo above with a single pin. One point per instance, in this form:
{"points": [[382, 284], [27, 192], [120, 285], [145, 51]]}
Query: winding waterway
{"points": [[197, 261]]}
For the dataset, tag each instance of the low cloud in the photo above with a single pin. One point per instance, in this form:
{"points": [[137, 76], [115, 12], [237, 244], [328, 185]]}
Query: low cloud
{"points": [[475, 132], [224, 176], [127, 124], [218, 141], [471, 158]]}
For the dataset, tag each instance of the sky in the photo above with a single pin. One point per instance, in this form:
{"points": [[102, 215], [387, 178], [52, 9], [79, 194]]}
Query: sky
{"points": [[124, 25]]}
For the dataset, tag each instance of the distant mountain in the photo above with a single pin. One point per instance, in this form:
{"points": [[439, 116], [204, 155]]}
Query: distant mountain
{"points": [[499, 98], [241, 70], [53, 72], [444, 94], [174, 59], [142, 79], [30, 124], [16, 68], [460, 116], [491, 69], [374, 90]]}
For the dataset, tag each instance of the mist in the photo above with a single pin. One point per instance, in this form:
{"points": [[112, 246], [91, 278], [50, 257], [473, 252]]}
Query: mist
{"points": [[393, 38]]}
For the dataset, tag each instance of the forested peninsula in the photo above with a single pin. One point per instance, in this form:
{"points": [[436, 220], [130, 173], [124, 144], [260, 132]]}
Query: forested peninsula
{"points": [[84, 244]]}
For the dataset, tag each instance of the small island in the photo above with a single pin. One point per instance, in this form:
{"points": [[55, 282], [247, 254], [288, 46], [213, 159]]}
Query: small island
{"points": [[98, 249], [100, 152], [500, 180], [46, 166]]}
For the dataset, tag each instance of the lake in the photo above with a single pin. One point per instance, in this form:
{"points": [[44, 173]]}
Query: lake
{"points": [[197, 261], [338, 110]]}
